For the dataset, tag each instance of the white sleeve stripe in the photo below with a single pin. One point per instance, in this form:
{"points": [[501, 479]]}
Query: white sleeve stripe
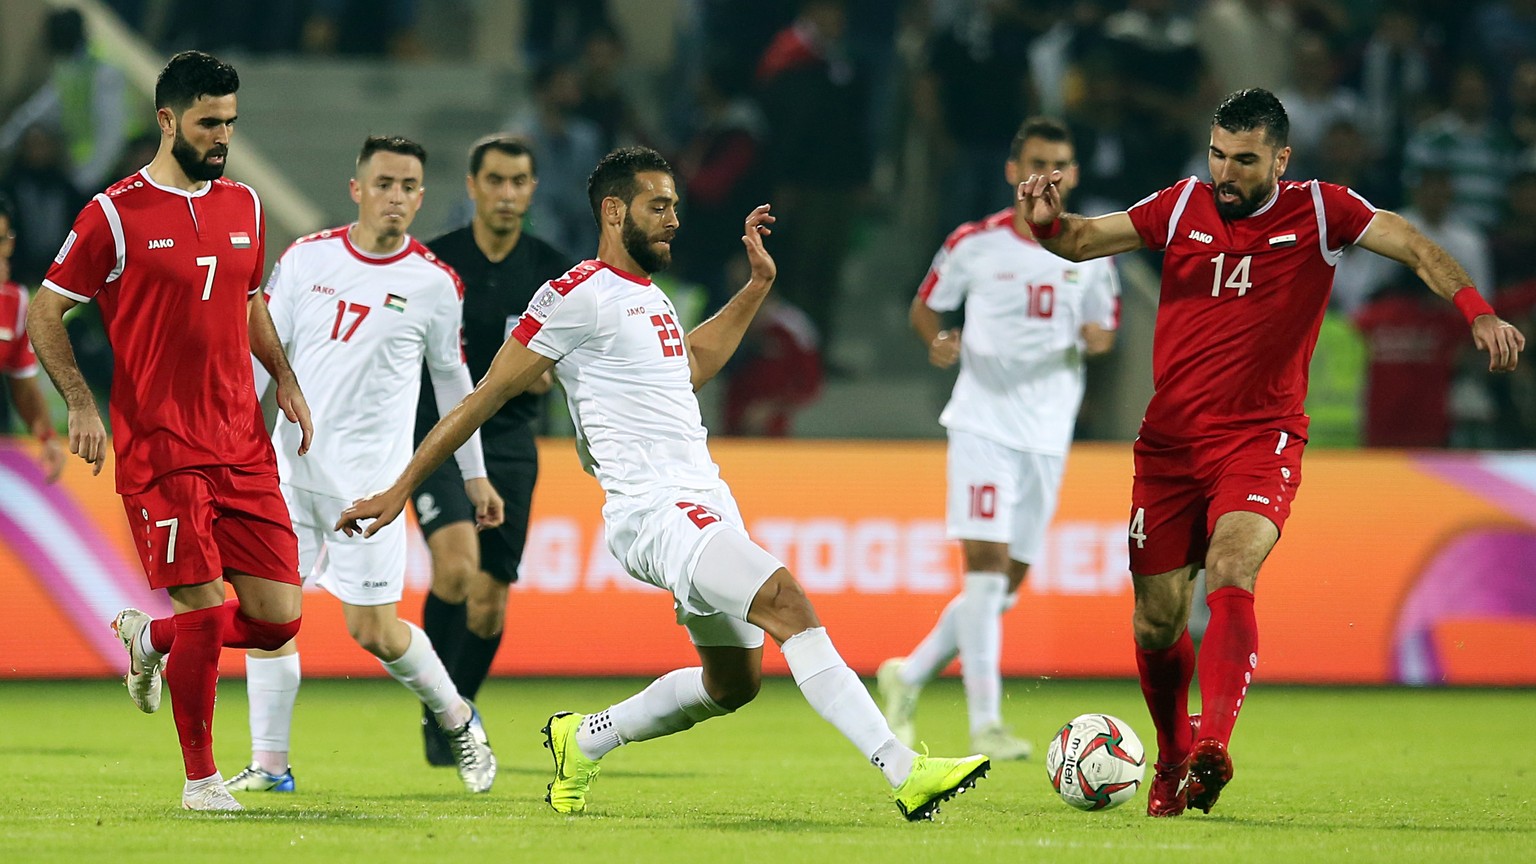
{"points": [[1178, 210], [115, 222], [257, 200], [1329, 255], [27, 372], [58, 289]]}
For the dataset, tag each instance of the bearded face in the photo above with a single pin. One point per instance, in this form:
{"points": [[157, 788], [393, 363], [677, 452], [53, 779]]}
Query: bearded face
{"points": [[651, 250]]}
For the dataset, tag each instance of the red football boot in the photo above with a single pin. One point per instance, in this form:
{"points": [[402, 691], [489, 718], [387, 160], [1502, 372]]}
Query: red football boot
{"points": [[1165, 797], [1210, 770]]}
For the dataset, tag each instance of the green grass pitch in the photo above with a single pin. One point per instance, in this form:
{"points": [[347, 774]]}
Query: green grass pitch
{"points": [[1322, 775]]}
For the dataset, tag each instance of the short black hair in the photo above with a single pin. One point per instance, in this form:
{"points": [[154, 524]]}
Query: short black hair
{"points": [[511, 145], [1255, 108], [614, 176], [191, 75], [1044, 128], [392, 144]]}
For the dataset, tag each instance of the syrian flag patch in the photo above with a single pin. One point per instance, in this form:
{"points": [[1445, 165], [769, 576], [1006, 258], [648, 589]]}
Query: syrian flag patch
{"points": [[395, 302], [239, 239], [1282, 241]]}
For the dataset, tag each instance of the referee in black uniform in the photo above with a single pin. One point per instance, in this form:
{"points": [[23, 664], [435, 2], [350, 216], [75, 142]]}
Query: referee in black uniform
{"points": [[501, 267]]}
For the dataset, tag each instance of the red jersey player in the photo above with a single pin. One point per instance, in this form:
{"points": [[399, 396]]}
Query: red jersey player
{"points": [[1248, 267], [17, 362], [174, 255]]}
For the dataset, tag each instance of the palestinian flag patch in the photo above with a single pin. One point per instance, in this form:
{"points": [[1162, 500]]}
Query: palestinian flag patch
{"points": [[239, 239], [395, 302]]}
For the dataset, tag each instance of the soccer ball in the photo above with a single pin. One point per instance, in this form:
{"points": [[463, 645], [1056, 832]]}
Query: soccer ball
{"points": [[1096, 762]]}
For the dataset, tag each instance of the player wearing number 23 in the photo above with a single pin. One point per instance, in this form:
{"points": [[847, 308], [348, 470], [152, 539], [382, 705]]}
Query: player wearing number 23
{"points": [[1248, 266]]}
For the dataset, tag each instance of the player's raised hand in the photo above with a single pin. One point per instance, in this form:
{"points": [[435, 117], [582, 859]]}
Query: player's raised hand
{"points": [[489, 508], [291, 400], [88, 437], [764, 271], [1040, 198], [944, 350], [1501, 339], [381, 507]]}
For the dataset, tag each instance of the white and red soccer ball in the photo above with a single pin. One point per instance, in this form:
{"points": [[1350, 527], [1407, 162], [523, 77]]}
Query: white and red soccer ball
{"points": [[1096, 762]]}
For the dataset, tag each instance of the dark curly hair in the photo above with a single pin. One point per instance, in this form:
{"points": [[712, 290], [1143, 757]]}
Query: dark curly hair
{"points": [[191, 75], [614, 176], [1255, 108]]}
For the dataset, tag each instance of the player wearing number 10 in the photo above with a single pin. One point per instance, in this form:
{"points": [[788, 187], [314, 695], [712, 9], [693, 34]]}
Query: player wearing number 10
{"points": [[174, 255], [1248, 266], [1030, 318], [612, 338]]}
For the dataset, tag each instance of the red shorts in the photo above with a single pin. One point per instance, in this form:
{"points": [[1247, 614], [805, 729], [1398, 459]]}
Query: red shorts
{"points": [[196, 525], [1181, 490]]}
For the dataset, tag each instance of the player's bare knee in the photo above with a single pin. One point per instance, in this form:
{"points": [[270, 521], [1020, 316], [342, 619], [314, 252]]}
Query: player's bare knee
{"points": [[1155, 629], [736, 692], [1225, 570], [485, 620], [781, 607]]}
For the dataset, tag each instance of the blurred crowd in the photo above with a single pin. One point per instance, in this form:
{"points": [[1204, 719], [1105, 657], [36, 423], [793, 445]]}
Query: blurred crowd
{"points": [[854, 115]]}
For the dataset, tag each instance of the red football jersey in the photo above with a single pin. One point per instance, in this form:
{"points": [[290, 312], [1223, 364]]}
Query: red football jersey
{"points": [[173, 272], [16, 357], [1414, 342], [1241, 303]]}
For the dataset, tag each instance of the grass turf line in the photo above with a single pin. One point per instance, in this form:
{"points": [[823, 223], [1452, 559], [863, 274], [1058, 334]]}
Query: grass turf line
{"points": [[1322, 775]]}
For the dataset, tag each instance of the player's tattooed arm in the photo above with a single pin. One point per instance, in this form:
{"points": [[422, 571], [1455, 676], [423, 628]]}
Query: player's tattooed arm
{"points": [[712, 343], [514, 369], [267, 346], [1392, 236], [50, 341]]}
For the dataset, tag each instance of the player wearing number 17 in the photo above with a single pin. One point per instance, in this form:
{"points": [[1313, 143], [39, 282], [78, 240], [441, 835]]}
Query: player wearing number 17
{"points": [[1248, 266], [174, 256], [629, 373]]}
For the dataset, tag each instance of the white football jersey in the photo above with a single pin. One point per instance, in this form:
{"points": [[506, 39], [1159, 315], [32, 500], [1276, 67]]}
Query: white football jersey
{"points": [[1021, 359], [356, 328], [619, 354]]}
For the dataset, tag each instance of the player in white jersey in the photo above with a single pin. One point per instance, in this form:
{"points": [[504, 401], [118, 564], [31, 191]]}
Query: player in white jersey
{"points": [[357, 309], [1030, 318], [629, 372]]}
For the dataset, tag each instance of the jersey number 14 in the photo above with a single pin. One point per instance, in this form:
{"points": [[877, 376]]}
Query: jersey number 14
{"points": [[1237, 280]]}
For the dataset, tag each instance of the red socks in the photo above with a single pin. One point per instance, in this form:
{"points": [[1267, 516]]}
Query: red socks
{"points": [[239, 631], [1165, 675], [192, 674], [1228, 658]]}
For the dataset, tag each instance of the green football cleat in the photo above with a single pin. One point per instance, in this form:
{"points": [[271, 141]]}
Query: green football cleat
{"points": [[934, 781], [573, 770]]}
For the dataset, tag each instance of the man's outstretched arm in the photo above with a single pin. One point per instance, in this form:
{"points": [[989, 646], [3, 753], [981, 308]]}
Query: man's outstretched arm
{"points": [[1392, 236]]}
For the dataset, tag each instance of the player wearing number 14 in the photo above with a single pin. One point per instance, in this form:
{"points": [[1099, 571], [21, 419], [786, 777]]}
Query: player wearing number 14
{"points": [[1247, 270]]}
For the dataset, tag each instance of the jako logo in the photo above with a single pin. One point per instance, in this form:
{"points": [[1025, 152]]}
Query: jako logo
{"points": [[162, 244], [1201, 236], [1259, 498]]}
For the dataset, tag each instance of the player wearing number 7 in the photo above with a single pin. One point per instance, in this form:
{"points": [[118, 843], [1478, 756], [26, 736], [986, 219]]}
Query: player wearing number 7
{"points": [[174, 255], [1248, 266], [612, 339]]}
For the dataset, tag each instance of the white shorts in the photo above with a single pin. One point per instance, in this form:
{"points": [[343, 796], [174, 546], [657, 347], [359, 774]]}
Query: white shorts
{"points": [[693, 544], [354, 570], [1001, 495]]}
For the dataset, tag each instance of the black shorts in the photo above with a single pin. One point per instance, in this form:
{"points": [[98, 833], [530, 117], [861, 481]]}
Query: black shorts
{"points": [[441, 501]]}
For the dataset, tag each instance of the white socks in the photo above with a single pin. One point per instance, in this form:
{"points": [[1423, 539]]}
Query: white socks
{"points": [[840, 698], [148, 647], [939, 647], [672, 703], [272, 684], [422, 672], [980, 637]]}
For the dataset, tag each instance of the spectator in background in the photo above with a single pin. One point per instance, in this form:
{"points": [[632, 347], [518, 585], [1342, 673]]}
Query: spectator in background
{"points": [[46, 202], [1315, 102], [776, 374], [87, 99], [818, 153], [1513, 243], [721, 172], [568, 146], [979, 66], [557, 28], [1153, 46], [17, 362], [1412, 339], [1395, 70], [1522, 107], [1349, 158], [1499, 36], [363, 28], [1360, 276], [1468, 141], [1247, 43], [606, 101], [1120, 157]]}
